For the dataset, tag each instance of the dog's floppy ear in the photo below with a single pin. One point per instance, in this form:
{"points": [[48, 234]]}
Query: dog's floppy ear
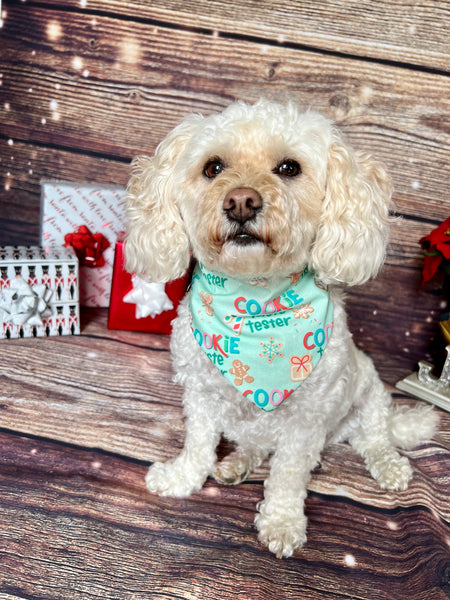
{"points": [[157, 246], [352, 236]]}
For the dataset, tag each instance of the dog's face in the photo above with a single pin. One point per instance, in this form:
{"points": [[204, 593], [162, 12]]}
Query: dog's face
{"points": [[258, 190], [250, 192]]}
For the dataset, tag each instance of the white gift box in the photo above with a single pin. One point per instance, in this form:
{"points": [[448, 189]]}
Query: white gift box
{"points": [[38, 292], [65, 206]]}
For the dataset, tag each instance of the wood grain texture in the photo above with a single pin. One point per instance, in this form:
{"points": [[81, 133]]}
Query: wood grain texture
{"points": [[27, 165], [143, 80], [399, 30], [79, 524]]}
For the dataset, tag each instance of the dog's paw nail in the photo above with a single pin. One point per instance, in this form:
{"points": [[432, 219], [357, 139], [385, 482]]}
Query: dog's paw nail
{"points": [[282, 535]]}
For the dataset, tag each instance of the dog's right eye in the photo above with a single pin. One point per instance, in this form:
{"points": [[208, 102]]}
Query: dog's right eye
{"points": [[213, 168], [288, 168]]}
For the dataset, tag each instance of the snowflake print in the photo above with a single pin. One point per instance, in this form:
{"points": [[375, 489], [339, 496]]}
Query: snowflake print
{"points": [[303, 311], [270, 349]]}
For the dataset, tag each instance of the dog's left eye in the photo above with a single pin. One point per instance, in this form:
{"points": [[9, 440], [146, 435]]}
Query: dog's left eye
{"points": [[288, 168], [213, 168]]}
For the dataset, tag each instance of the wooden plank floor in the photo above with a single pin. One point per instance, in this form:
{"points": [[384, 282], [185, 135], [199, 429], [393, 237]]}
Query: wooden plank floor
{"points": [[82, 417]]}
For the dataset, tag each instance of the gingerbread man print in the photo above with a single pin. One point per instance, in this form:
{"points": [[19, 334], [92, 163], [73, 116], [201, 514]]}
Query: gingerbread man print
{"points": [[239, 370], [207, 300]]}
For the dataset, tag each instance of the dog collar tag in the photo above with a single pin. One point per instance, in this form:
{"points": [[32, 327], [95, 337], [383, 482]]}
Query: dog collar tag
{"points": [[265, 339]]}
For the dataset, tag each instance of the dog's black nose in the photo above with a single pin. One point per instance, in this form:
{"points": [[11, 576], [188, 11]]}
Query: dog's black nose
{"points": [[242, 204]]}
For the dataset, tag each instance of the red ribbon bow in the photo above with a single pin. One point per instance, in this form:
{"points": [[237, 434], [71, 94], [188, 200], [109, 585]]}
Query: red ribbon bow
{"points": [[89, 247]]}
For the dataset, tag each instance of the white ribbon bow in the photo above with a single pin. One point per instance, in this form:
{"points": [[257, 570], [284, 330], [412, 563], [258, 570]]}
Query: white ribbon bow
{"points": [[150, 298], [22, 303]]}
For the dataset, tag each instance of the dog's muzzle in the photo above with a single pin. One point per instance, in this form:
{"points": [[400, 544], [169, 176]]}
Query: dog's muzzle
{"points": [[241, 206]]}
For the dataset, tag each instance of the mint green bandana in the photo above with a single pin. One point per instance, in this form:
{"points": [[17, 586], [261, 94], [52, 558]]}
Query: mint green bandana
{"points": [[264, 340]]}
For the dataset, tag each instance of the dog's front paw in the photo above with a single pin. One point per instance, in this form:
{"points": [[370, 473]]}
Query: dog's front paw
{"points": [[281, 533], [171, 479], [392, 471]]}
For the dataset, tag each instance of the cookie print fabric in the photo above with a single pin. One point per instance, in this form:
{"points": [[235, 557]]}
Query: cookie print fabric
{"points": [[264, 340]]}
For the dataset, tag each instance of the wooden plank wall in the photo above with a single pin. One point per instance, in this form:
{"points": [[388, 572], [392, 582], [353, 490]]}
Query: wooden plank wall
{"points": [[86, 85]]}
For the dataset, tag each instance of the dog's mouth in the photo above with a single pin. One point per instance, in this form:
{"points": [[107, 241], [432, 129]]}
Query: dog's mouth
{"points": [[244, 238]]}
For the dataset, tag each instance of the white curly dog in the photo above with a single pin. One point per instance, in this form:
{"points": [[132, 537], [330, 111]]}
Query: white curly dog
{"points": [[269, 199]]}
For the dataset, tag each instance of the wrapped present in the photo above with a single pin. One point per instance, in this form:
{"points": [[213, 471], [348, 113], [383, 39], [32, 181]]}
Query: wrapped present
{"points": [[88, 217], [137, 305], [301, 367], [38, 292]]}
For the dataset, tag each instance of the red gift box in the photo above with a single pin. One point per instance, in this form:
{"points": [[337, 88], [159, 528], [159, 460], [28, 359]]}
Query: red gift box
{"points": [[122, 315]]}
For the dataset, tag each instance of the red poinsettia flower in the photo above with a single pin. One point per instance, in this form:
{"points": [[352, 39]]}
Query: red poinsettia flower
{"points": [[89, 247], [436, 247]]}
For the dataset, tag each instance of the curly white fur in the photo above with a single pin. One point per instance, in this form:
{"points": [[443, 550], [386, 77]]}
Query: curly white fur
{"points": [[333, 217]]}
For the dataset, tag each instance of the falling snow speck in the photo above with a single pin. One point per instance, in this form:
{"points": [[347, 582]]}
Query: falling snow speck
{"points": [[54, 31], [349, 560], [77, 63]]}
